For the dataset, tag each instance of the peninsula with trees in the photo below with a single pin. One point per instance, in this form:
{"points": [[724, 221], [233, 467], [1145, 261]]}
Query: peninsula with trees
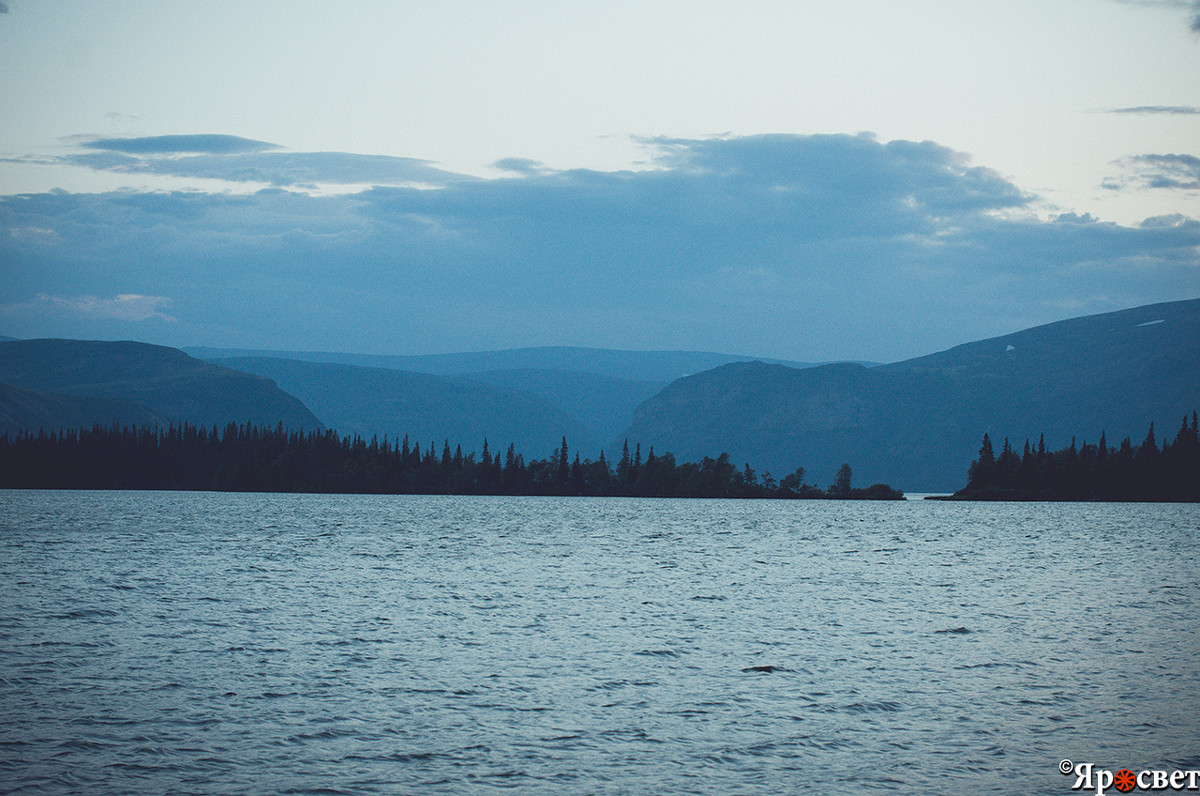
{"points": [[251, 458]]}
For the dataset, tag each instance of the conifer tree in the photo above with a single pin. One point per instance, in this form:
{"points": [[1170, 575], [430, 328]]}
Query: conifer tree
{"points": [[840, 488], [625, 465], [564, 466], [983, 469]]}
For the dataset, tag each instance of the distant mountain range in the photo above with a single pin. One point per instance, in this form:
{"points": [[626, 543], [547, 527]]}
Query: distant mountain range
{"points": [[914, 424], [528, 397], [660, 367]]}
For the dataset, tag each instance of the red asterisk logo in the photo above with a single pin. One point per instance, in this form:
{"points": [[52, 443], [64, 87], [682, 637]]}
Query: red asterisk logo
{"points": [[1124, 780]]}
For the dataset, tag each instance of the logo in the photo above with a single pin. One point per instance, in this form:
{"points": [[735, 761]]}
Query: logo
{"points": [[1099, 780]]}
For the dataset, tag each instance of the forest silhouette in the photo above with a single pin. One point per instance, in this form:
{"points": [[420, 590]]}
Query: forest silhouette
{"points": [[250, 458], [1146, 472]]}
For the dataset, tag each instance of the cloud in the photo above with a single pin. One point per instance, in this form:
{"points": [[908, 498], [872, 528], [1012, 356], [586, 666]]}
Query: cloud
{"points": [[276, 168], [124, 307], [241, 160], [178, 144], [805, 247], [837, 167], [1192, 5], [3, 8], [1182, 110], [523, 166], [1177, 172]]}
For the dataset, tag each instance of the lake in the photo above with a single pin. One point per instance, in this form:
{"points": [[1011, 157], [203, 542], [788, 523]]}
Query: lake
{"points": [[165, 642]]}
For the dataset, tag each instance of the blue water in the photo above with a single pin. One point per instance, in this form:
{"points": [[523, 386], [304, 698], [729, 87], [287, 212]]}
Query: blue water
{"points": [[212, 643]]}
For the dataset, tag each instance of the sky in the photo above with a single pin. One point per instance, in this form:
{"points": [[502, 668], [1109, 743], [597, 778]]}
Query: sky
{"points": [[862, 179]]}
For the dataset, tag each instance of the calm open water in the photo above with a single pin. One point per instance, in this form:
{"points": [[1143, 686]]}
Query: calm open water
{"points": [[215, 643]]}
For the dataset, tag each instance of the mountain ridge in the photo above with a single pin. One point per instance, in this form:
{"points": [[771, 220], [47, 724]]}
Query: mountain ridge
{"points": [[654, 365], [917, 423], [165, 380]]}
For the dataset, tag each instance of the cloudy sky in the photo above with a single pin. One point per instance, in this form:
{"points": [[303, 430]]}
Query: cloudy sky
{"points": [[861, 179]]}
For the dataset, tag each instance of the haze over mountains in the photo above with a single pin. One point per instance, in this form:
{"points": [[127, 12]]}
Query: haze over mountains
{"points": [[914, 424]]}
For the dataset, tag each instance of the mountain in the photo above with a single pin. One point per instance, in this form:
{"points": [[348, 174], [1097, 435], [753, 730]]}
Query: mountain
{"points": [[643, 366], [427, 407], [33, 411], [917, 424], [166, 382]]}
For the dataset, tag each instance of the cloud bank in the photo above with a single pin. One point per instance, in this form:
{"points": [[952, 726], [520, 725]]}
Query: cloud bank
{"points": [[804, 247]]}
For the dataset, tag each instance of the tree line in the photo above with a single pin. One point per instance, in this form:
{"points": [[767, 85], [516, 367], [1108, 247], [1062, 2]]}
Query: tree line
{"points": [[251, 458], [1169, 472]]}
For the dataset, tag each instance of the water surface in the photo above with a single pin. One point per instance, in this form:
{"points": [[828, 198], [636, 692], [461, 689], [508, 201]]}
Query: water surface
{"points": [[216, 643]]}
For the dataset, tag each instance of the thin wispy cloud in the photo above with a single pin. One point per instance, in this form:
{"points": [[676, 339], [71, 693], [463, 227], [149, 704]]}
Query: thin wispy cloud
{"points": [[523, 166], [180, 144], [241, 160], [124, 307], [1173, 172], [1171, 110], [274, 168], [1158, 3]]}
